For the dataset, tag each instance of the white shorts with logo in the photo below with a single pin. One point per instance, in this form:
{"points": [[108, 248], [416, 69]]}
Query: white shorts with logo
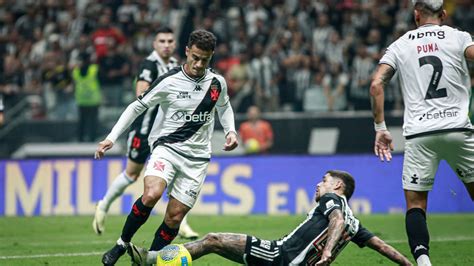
{"points": [[183, 176], [423, 154]]}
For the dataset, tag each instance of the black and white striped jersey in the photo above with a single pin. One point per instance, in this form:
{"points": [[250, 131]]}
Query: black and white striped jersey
{"points": [[305, 244], [185, 122], [150, 69]]}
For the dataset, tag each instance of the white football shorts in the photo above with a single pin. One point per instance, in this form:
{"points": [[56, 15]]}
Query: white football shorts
{"points": [[184, 177], [423, 154]]}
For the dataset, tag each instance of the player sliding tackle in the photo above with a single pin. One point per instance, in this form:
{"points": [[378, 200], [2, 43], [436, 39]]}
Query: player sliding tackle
{"points": [[328, 228]]}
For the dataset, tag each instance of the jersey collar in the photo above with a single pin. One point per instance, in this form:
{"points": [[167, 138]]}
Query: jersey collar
{"points": [[428, 25], [197, 80]]}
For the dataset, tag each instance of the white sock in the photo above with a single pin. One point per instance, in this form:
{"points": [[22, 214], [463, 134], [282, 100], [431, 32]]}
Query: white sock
{"points": [[122, 243], [423, 260], [151, 257], [115, 190]]}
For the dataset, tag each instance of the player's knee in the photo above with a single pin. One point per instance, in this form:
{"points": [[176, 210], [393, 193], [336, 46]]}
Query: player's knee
{"points": [[150, 197]]}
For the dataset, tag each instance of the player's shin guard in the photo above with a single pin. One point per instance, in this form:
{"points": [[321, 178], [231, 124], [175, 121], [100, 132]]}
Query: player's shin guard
{"points": [[417, 232], [135, 219], [163, 236]]}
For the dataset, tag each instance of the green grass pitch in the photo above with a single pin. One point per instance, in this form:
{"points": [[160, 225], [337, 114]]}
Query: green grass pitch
{"points": [[70, 240]]}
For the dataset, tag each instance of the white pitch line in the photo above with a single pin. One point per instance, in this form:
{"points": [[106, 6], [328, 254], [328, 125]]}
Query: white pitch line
{"points": [[437, 239], [50, 255]]}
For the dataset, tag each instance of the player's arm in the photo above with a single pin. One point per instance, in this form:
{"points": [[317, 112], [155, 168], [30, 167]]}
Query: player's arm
{"points": [[150, 98], [126, 119], [381, 78], [226, 118], [335, 230], [388, 251], [141, 87], [469, 53], [383, 140]]}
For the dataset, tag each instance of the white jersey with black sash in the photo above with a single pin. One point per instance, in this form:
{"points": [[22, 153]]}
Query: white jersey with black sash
{"points": [[185, 122], [304, 245], [150, 69]]}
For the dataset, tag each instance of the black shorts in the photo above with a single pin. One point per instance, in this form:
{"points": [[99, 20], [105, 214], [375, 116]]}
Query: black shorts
{"points": [[138, 149], [260, 252]]}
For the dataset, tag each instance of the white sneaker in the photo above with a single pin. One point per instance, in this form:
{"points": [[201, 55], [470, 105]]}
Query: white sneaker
{"points": [[137, 254], [186, 232], [99, 220], [423, 260]]}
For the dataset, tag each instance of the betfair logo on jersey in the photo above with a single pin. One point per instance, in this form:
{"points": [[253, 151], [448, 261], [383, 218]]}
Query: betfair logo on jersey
{"points": [[440, 34], [182, 115], [441, 114]]}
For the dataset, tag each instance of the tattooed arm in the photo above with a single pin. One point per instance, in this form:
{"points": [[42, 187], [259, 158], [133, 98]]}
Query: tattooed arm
{"points": [[383, 140], [335, 230], [381, 78], [388, 251]]}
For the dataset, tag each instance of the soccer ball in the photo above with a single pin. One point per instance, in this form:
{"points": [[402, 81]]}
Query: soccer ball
{"points": [[174, 255], [252, 146]]}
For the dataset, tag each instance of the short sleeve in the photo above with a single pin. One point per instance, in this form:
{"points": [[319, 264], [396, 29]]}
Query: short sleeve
{"points": [[465, 40], [362, 236], [328, 203], [148, 71], [390, 57]]}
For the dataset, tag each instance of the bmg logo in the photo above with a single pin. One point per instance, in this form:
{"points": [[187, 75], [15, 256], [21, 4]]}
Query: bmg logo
{"points": [[184, 116], [440, 34]]}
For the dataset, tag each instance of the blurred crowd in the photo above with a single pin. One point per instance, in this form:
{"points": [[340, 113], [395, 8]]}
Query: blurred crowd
{"points": [[280, 55]]}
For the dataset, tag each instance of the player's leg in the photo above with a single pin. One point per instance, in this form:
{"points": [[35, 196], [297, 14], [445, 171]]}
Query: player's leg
{"points": [[115, 190], [168, 229], [419, 167], [186, 231], [141, 209], [460, 156], [183, 191], [228, 245], [416, 226], [158, 175], [138, 152]]}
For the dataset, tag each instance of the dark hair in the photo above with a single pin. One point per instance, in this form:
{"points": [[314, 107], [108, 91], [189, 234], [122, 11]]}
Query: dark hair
{"points": [[203, 40], [347, 179], [427, 11], [164, 29]]}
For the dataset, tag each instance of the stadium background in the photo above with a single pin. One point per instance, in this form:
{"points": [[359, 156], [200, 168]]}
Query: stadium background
{"points": [[287, 57]]}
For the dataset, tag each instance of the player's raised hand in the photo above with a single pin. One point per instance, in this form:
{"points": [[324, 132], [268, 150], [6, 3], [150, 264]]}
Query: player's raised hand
{"points": [[231, 141], [383, 145], [104, 146]]}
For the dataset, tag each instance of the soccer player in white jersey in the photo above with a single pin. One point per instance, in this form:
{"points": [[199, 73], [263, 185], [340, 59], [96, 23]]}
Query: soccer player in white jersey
{"points": [[159, 62], [180, 137], [435, 82], [325, 232]]}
